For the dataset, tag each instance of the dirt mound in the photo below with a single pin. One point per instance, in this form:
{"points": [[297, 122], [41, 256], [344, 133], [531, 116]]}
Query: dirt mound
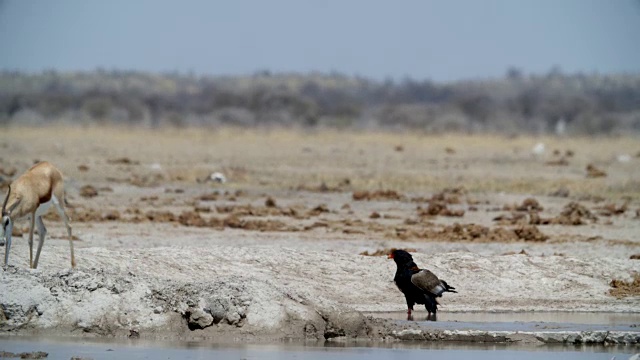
{"points": [[558, 162], [573, 214], [377, 195], [440, 208], [123, 161], [528, 204], [594, 172], [341, 186], [257, 225], [479, 233], [621, 289], [386, 251], [88, 191], [612, 209]]}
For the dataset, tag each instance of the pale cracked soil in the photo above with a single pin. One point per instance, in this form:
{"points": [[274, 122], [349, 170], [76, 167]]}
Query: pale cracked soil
{"points": [[275, 253]]}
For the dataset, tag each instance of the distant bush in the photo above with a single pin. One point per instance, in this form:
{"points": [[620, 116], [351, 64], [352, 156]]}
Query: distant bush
{"points": [[517, 103]]}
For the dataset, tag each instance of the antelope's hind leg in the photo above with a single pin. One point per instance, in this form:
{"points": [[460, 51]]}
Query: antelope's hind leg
{"points": [[32, 225], [42, 232], [64, 217]]}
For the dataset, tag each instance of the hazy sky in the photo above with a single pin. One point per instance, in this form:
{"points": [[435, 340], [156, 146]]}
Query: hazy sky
{"points": [[440, 40]]}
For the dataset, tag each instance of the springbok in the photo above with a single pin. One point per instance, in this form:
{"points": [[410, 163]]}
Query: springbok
{"points": [[30, 195]]}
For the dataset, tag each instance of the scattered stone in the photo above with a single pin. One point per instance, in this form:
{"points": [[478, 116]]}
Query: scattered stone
{"points": [[198, 319], [83, 168]]}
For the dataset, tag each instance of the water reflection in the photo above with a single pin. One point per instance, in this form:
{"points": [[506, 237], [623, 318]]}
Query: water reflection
{"points": [[146, 349]]}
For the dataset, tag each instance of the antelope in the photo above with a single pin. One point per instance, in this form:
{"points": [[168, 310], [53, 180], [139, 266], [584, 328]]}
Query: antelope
{"points": [[30, 196]]}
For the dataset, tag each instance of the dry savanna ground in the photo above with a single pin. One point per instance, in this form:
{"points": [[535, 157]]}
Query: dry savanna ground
{"points": [[486, 212]]}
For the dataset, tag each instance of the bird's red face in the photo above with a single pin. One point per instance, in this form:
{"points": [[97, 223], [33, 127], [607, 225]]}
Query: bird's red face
{"points": [[390, 256]]}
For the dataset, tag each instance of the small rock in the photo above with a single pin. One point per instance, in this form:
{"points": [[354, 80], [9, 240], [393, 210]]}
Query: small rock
{"points": [[218, 310], [199, 319]]}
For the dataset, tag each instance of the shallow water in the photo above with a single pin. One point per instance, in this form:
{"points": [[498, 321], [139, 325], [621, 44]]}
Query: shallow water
{"points": [[133, 349], [601, 318]]}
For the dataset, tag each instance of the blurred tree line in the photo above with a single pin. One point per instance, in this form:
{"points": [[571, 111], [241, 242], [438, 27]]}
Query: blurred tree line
{"points": [[576, 104]]}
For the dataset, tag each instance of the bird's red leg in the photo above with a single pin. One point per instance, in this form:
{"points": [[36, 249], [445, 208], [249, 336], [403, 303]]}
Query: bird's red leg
{"points": [[409, 317]]}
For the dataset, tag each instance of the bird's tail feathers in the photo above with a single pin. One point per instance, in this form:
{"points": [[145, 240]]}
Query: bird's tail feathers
{"points": [[448, 287]]}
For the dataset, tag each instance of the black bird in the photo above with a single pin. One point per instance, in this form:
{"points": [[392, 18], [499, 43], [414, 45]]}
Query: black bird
{"points": [[420, 286]]}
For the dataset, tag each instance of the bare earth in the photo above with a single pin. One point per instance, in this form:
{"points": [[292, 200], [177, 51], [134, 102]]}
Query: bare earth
{"points": [[277, 251]]}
